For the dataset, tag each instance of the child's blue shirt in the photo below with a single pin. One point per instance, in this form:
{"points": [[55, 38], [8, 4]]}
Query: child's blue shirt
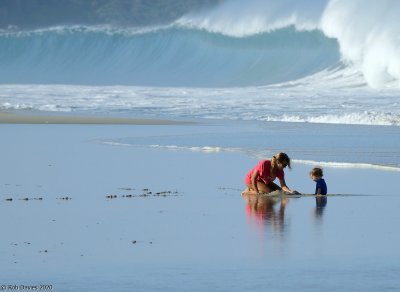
{"points": [[321, 185]]}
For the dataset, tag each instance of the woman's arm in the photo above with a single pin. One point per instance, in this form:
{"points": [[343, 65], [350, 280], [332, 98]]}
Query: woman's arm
{"points": [[284, 186]]}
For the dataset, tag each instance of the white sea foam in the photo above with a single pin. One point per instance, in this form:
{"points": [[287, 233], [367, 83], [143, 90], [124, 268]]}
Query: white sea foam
{"points": [[243, 18], [347, 165], [259, 154], [367, 33], [363, 118], [204, 149], [86, 29], [299, 102]]}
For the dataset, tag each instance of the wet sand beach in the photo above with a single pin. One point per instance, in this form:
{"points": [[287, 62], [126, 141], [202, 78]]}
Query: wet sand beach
{"points": [[83, 210], [10, 118]]}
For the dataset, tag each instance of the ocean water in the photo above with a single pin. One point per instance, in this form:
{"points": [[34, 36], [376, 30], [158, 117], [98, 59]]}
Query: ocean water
{"points": [[315, 62], [319, 80], [304, 61], [335, 146]]}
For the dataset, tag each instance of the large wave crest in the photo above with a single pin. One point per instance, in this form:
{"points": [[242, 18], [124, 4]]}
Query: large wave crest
{"points": [[166, 56], [366, 30], [237, 43]]}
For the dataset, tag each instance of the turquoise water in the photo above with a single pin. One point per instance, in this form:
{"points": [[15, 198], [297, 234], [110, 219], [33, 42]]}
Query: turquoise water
{"points": [[161, 56]]}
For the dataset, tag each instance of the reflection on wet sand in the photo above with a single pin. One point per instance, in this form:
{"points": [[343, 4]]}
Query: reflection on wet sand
{"points": [[267, 213], [264, 211], [320, 204]]}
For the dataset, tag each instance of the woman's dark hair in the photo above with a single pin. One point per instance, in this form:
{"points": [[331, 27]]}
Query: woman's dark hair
{"points": [[281, 158]]}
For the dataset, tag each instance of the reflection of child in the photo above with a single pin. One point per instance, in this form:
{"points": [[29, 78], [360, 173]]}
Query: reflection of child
{"points": [[316, 175]]}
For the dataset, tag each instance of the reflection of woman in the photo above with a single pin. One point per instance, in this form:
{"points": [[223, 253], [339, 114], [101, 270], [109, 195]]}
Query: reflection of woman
{"points": [[262, 208], [261, 177]]}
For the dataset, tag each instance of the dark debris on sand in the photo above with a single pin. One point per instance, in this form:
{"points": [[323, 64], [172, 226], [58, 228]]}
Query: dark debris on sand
{"points": [[65, 198], [10, 199], [145, 192], [24, 199]]}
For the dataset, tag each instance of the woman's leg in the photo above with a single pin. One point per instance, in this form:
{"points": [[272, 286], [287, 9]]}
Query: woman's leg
{"points": [[273, 186], [262, 187]]}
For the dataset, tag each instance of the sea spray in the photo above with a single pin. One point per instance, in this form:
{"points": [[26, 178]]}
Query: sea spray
{"points": [[367, 32]]}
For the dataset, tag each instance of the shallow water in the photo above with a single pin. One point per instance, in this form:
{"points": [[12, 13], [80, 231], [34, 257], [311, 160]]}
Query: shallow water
{"points": [[201, 236], [352, 145]]}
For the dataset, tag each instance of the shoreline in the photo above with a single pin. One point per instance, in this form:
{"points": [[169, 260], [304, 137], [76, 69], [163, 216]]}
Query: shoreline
{"points": [[11, 118], [51, 118]]}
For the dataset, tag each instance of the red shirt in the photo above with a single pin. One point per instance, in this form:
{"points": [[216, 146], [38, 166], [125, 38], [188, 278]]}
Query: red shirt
{"points": [[264, 173]]}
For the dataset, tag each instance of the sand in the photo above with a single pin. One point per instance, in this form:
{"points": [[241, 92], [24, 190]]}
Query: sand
{"points": [[82, 214], [10, 118]]}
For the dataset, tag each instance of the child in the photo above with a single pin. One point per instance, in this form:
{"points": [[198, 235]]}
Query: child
{"points": [[316, 175]]}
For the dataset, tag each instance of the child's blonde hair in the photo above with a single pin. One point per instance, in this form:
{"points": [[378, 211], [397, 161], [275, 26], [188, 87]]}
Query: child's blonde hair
{"points": [[317, 171]]}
